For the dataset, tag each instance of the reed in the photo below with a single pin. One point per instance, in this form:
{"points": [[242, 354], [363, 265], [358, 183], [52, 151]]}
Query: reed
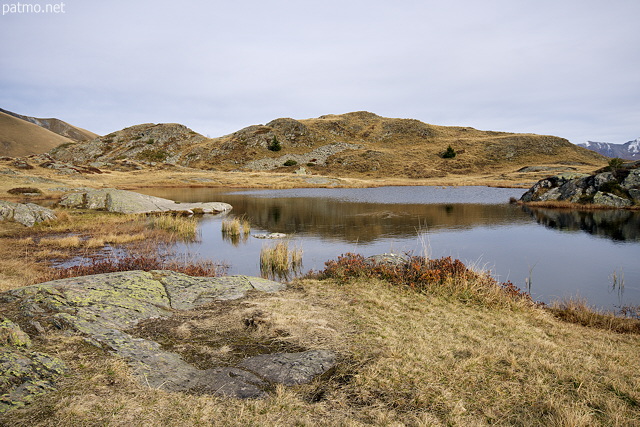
{"points": [[181, 227], [236, 227], [279, 259]]}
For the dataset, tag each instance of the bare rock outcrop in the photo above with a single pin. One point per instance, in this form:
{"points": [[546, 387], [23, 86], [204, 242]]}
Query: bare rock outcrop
{"points": [[113, 200], [27, 214], [105, 307], [617, 188]]}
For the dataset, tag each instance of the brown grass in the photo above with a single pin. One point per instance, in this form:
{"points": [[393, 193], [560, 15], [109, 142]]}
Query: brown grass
{"points": [[279, 260], [21, 138], [136, 261], [179, 227], [235, 230], [26, 254], [576, 310], [407, 358]]}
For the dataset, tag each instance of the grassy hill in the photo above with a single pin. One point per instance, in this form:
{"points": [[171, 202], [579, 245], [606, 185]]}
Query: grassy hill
{"points": [[21, 138], [56, 126], [359, 144]]}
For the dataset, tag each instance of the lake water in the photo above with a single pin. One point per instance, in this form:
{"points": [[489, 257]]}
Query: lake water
{"points": [[560, 253]]}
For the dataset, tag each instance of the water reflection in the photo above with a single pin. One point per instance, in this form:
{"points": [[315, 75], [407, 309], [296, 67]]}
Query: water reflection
{"points": [[620, 225], [485, 231], [354, 221]]}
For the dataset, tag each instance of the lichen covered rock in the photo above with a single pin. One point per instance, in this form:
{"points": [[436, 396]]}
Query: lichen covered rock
{"points": [[27, 214], [122, 201]]}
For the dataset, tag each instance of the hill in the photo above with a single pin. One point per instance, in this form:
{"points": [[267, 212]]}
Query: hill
{"points": [[359, 144], [22, 138], [629, 150], [56, 126]]}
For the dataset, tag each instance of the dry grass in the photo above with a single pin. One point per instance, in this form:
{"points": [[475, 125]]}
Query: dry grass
{"points": [[279, 260], [26, 254], [576, 310], [236, 227], [236, 230], [406, 359], [180, 227]]}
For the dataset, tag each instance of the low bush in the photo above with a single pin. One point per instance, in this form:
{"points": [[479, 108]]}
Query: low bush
{"points": [[444, 276], [615, 189], [24, 190], [152, 155], [290, 163]]}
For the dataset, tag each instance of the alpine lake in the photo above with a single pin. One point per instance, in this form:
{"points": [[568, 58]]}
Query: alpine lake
{"points": [[553, 254]]}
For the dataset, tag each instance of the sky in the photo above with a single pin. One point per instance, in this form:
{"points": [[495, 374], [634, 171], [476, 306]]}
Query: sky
{"points": [[569, 68]]}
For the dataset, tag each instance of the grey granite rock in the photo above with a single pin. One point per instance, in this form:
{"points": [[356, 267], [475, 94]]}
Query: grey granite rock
{"points": [[123, 201]]}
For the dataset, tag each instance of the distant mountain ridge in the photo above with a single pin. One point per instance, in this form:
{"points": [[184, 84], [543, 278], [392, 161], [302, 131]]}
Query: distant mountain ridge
{"points": [[629, 150], [56, 126]]}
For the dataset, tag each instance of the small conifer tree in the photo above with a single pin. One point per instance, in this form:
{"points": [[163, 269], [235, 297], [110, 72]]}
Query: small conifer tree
{"points": [[450, 153], [274, 145]]}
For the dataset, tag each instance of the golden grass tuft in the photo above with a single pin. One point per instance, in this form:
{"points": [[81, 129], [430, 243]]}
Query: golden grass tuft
{"points": [[61, 242], [180, 227], [236, 227], [235, 230], [279, 259]]}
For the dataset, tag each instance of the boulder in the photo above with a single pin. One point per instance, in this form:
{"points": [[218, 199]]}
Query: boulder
{"points": [[632, 181], [129, 202], [391, 260], [27, 214], [612, 200]]}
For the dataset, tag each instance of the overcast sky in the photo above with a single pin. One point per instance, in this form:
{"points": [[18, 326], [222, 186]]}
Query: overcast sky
{"points": [[558, 67]]}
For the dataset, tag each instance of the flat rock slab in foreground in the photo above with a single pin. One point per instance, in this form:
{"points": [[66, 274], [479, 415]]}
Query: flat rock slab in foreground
{"points": [[129, 202], [103, 306]]}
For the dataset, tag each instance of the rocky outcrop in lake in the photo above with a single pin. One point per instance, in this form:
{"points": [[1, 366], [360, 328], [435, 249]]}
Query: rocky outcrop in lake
{"points": [[613, 187], [112, 200], [105, 307]]}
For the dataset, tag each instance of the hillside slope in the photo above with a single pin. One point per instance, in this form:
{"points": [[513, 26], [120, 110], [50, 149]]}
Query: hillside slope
{"points": [[56, 126], [21, 138], [359, 144]]}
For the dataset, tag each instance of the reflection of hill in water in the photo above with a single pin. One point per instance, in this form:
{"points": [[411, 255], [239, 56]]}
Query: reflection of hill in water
{"points": [[355, 221], [614, 224]]}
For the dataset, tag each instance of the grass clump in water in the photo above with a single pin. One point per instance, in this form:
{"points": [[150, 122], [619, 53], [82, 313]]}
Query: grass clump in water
{"points": [[235, 229], [279, 260], [181, 227]]}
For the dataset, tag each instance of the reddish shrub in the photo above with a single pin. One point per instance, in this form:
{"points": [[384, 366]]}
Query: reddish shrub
{"points": [[200, 268], [417, 273]]}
